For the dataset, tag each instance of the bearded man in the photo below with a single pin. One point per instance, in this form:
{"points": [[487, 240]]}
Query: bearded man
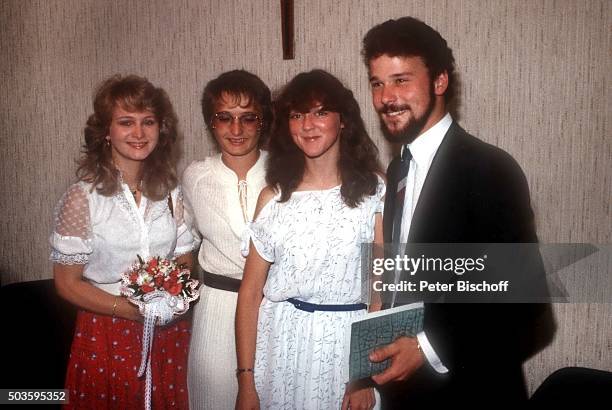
{"points": [[446, 187]]}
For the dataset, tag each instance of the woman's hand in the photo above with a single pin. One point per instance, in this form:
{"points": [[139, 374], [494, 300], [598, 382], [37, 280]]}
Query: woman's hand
{"points": [[362, 399], [247, 398], [250, 296], [70, 285], [127, 310]]}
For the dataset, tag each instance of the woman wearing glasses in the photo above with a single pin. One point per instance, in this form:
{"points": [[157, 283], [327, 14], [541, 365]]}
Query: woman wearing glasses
{"points": [[323, 201], [222, 191]]}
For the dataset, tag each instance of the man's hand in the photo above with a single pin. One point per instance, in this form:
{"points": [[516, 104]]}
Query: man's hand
{"points": [[406, 357]]}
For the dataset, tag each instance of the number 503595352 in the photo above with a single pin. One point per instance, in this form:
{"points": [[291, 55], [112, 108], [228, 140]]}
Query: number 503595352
{"points": [[33, 396]]}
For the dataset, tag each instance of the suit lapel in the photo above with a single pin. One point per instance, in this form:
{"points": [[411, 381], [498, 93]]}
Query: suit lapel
{"points": [[424, 217]]}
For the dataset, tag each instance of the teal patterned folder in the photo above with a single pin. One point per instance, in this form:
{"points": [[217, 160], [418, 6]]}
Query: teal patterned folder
{"points": [[377, 329]]}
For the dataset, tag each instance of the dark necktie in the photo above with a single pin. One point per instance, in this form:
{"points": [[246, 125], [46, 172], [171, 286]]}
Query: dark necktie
{"points": [[402, 177]]}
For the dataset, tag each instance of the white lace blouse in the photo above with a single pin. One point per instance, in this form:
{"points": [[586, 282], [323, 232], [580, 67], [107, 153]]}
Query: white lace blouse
{"points": [[106, 233]]}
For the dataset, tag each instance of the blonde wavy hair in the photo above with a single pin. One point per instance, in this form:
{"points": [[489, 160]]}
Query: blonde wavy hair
{"points": [[134, 94]]}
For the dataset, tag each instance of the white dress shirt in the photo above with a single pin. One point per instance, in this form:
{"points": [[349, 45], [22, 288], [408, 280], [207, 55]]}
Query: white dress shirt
{"points": [[423, 150]]}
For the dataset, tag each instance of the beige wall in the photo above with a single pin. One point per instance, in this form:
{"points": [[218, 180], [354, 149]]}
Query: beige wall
{"points": [[534, 81]]}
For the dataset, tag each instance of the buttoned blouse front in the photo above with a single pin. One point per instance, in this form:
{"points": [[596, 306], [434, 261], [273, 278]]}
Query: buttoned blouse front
{"points": [[107, 233]]}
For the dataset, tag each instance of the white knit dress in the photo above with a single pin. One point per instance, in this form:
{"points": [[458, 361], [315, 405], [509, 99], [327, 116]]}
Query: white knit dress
{"points": [[211, 195]]}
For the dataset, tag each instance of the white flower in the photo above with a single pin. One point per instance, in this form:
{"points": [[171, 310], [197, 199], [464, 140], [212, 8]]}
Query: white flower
{"points": [[165, 269], [143, 277]]}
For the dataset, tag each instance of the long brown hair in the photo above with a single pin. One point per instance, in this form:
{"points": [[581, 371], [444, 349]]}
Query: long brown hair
{"points": [[358, 162], [131, 93]]}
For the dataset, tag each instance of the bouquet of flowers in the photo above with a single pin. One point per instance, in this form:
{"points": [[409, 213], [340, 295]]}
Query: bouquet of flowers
{"points": [[161, 288], [160, 278]]}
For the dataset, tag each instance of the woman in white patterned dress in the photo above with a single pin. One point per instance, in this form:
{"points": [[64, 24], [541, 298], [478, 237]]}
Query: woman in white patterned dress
{"points": [[304, 256], [222, 191]]}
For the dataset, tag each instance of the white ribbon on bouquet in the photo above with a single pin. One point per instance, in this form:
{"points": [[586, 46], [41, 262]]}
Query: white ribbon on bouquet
{"points": [[158, 307]]}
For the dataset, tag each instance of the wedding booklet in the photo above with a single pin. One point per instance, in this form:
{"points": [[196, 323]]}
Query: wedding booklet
{"points": [[376, 329]]}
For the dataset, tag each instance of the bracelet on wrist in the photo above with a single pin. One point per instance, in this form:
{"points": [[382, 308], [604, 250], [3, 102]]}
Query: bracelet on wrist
{"points": [[115, 305], [245, 370]]}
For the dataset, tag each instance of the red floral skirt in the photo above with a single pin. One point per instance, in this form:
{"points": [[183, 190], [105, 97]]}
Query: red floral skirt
{"points": [[104, 361]]}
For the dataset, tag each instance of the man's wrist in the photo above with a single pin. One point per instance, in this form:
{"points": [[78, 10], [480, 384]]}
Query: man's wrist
{"points": [[429, 354], [419, 348]]}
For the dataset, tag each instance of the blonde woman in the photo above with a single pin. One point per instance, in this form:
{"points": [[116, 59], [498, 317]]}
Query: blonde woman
{"points": [[126, 203]]}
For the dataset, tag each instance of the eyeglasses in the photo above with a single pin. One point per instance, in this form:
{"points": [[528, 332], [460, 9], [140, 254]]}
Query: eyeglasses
{"points": [[247, 120]]}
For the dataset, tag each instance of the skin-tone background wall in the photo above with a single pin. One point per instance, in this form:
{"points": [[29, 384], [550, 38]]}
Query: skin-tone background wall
{"points": [[534, 81]]}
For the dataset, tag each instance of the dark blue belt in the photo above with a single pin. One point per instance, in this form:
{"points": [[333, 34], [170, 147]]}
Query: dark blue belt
{"points": [[311, 307]]}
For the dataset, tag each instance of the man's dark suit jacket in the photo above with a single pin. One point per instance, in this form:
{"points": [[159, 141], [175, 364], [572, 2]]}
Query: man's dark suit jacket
{"points": [[474, 193]]}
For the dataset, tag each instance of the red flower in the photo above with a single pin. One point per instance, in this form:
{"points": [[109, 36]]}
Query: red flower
{"points": [[158, 274], [133, 277], [170, 282], [175, 289], [172, 286], [146, 288]]}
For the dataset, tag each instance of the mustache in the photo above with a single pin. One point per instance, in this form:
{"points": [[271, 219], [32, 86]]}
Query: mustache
{"points": [[389, 108]]}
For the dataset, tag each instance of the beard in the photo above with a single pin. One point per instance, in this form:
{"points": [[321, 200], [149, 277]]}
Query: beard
{"points": [[413, 127]]}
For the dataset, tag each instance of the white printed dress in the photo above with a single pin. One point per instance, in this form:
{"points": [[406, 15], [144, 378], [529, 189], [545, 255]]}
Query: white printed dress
{"points": [[314, 243]]}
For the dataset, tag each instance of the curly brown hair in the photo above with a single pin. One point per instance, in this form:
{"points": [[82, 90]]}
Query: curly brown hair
{"points": [[410, 37], [358, 162], [131, 93]]}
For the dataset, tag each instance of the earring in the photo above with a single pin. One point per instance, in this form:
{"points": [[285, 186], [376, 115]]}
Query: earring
{"points": [[107, 141]]}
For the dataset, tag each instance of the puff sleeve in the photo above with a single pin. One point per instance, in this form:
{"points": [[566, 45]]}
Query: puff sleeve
{"points": [[71, 241], [374, 204], [379, 197], [261, 233]]}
